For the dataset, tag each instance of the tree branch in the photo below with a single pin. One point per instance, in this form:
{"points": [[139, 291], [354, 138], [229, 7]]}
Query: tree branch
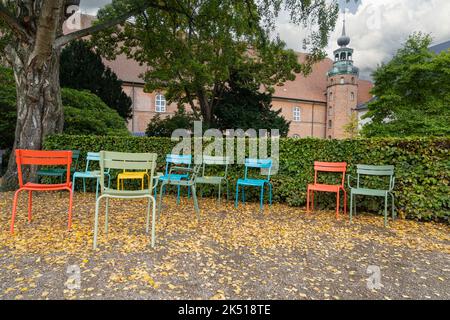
{"points": [[64, 39], [12, 22]]}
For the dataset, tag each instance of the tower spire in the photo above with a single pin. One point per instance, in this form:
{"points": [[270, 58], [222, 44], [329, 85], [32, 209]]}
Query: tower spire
{"points": [[343, 40]]}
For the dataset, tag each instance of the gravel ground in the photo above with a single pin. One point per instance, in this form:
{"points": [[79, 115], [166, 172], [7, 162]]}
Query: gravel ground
{"points": [[230, 254]]}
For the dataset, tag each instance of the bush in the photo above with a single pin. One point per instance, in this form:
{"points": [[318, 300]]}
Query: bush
{"points": [[84, 112], [422, 167]]}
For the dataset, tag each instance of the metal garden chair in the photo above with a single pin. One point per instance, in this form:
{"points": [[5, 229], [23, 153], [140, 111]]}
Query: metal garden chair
{"points": [[265, 164], [176, 160], [44, 158], [215, 180], [369, 170], [129, 161], [90, 174], [188, 181], [338, 167], [60, 172], [132, 175]]}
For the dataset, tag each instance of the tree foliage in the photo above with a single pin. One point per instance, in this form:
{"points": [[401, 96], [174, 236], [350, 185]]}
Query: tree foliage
{"points": [[413, 92], [84, 112], [83, 68], [163, 127], [191, 55]]}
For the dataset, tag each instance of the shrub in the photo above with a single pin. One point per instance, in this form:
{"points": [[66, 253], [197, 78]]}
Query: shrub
{"points": [[422, 167]]}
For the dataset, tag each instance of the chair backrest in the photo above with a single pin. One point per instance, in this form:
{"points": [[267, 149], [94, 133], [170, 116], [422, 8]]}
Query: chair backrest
{"points": [[92, 156], [338, 167], [43, 158], [177, 159], [258, 163], [371, 170], [124, 160], [216, 160], [75, 157]]}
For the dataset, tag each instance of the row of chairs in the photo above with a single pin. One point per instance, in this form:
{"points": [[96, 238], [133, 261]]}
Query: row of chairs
{"points": [[178, 172]]}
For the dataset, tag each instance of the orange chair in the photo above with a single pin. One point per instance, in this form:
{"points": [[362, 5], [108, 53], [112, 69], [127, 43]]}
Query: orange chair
{"points": [[46, 158], [339, 167]]}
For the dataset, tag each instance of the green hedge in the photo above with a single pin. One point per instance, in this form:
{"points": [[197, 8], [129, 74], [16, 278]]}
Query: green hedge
{"points": [[422, 167]]}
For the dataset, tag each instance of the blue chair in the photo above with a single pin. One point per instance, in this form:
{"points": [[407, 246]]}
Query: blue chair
{"points": [[175, 160], [87, 174], [261, 183]]}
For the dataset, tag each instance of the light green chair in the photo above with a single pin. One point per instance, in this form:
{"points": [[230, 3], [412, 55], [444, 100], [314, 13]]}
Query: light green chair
{"points": [[369, 170], [189, 182], [126, 161], [215, 180]]}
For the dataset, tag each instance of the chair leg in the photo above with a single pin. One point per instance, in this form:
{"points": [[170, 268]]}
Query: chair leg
{"points": [[228, 192], [345, 202], [30, 204], [96, 187], [84, 185], [194, 196], [118, 183], [243, 194], [270, 194], [351, 206], [160, 199], [97, 205], [106, 214], [393, 207], [219, 193], [178, 195], [312, 200], [73, 182], [261, 198], [307, 200], [147, 224], [14, 210], [69, 224], [142, 184], [337, 205], [385, 209], [153, 220], [236, 198]]}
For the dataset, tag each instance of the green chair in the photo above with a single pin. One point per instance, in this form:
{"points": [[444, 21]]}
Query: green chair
{"points": [[215, 180], [189, 181], [128, 161], [60, 172], [368, 170]]}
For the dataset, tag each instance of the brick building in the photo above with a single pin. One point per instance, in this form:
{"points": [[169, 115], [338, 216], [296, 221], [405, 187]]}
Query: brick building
{"points": [[319, 105]]}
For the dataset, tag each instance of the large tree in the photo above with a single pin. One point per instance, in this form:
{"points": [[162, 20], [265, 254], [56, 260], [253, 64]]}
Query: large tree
{"points": [[31, 38], [78, 59], [413, 92], [191, 57]]}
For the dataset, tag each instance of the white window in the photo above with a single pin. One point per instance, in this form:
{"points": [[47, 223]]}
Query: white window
{"points": [[297, 116], [342, 80], [352, 96], [160, 103], [295, 136]]}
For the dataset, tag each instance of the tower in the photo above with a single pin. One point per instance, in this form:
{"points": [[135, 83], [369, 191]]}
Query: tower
{"points": [[342, 89]]}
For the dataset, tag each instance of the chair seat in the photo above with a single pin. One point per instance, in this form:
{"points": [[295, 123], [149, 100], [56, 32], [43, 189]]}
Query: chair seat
{"points": [[324, 187], [87, 174], [125, 193], [43, 186], [252, 182], [132, 175], [369, 192], [173, 177], [209, 180], [53, 172]]}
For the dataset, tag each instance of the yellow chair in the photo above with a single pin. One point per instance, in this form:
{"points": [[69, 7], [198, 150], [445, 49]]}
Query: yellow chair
{"points": [[132, 175]]}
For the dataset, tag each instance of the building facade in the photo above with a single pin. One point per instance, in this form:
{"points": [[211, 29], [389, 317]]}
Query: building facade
{"points": [[318, 105]]}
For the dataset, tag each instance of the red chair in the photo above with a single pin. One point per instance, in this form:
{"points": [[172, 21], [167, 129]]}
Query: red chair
{"points": [[339, 167], [46, 158]]}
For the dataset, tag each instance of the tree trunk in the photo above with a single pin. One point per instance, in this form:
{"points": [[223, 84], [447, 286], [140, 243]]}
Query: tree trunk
{"points": [[39, 106], [205, 106]]}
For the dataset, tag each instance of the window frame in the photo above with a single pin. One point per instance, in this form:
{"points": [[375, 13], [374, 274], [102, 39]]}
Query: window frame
{"points": [[158, 107]]}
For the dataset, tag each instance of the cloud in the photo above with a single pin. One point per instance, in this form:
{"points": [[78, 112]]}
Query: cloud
{"points": [[378, 28]]}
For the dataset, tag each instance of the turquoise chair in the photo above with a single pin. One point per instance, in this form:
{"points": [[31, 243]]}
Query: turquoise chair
{"points": [[175, 160], [265, 164], [60, 172], [360, 189], [214, 180], [88, 174]]}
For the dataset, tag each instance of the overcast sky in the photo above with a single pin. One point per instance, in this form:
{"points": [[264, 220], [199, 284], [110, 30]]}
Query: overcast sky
{"points": [[377, 28]]}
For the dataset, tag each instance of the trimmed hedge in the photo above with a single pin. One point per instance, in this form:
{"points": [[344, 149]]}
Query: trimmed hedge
{"points": [[422, 167]]}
